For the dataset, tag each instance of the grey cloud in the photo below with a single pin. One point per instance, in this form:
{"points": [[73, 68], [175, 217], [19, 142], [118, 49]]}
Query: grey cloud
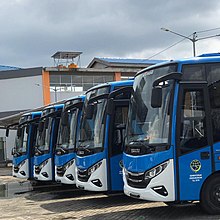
{"points": [[31, 31]]}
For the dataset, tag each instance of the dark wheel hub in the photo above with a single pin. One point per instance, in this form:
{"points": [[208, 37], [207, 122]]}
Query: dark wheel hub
{"points": [[215, 198]]}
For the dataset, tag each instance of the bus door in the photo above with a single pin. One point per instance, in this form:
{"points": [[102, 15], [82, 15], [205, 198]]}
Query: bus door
{"points": [[193, 141], [116, 137]]}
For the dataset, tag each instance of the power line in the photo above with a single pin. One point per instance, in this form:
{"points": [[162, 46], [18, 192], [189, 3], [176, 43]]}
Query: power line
{"points": [[213, 29], [168, 48]]}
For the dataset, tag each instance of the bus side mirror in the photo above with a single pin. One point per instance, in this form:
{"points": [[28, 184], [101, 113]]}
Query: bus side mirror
{"points": [[19, 132], [65, 118], [7, 132], [12, 151], [41, 126], [27, 128], [46, 122], [156, 97], [89, 111], [110, 106], [118, 137]]}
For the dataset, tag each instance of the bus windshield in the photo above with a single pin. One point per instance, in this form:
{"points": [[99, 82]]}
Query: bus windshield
{"points": [[21, 140], [67, 132], [147, 124], [43, 135], [92, 130]]}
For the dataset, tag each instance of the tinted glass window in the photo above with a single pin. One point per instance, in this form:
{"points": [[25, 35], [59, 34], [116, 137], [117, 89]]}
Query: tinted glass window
{"points": [[194, 72], [214, 93], [213, 72], [121, 115], [193, 129]]}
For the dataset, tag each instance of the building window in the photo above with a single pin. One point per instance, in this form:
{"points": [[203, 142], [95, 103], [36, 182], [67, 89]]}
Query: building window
{"points": [[73, 83]]}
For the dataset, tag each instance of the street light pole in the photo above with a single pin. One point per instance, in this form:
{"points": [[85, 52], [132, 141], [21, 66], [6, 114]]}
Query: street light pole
{"points": [[193, 39], [194, 43]]}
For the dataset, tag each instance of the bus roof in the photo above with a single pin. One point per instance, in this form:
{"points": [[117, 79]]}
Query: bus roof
{"points": [[203, 58], [82, 97], [56, 106], [114, 83], [35, 113]]}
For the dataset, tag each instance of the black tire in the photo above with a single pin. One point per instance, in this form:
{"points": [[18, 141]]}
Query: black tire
{"points": [[210, 195]]}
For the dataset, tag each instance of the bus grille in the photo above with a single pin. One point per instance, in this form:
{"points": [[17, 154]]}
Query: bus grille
{"points": [[82, 175], [136, 180], [60, 171]]}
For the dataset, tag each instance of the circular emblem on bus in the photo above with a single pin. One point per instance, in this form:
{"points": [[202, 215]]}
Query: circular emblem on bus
{"points": [[195, 165]]}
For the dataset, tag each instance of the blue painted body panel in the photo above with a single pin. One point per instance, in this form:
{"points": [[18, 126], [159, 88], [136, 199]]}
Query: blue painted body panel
{"points": [[146, 162], [191, 181], [63, 159], [17, 160], [116, 173], [40, 159], [87, 161]]}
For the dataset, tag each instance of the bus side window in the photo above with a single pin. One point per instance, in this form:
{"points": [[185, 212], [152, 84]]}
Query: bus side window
{"points": [[214, 93], [121, 114], [193, 128]]}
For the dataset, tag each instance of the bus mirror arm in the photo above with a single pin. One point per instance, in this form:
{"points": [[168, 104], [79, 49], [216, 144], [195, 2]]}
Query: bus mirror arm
{"points": [[156, 95], [171, 76], [7, 132]]}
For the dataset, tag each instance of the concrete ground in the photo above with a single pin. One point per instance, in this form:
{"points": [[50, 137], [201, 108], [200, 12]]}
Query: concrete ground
{"points": [[18, 200]]}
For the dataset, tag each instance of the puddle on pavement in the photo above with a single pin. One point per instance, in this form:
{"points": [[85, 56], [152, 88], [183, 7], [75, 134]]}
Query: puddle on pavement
{"points": [[10, 190]]}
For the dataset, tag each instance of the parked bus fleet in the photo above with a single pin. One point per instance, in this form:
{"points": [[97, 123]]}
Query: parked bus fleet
{"points": [[155, 137]]}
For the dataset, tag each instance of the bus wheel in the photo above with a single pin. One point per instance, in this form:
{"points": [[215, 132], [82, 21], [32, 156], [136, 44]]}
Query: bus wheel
{"points": [[210, 195]]}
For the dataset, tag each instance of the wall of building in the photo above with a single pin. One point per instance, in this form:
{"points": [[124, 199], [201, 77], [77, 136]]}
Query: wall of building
{"points": [[21, 93], [63, 95], [9, 144]]}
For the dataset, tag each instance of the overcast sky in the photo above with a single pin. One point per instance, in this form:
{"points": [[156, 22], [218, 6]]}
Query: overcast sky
{"points": [[33, 30]]}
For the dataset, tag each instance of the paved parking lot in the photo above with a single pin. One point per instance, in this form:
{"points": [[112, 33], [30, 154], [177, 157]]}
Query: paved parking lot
{"points": [[18, 200]]}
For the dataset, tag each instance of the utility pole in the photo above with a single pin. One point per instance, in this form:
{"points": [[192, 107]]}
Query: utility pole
{"points": [[193, 39]]}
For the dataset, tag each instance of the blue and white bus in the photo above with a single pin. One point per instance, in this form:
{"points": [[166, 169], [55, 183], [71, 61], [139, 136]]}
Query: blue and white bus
{"points": [[172, 147], [46, 143], [23, 151], [68, 140], [102, 131]]}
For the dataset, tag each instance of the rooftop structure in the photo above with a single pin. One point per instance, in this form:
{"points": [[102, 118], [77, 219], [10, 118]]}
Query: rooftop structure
{"points": [[99, 62], [5, 68], [67, 58]]}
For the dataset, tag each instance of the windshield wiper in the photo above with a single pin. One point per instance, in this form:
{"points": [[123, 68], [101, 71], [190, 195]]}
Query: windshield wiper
{"points": [[84, 150], [139, 147], [38, 151], [61, 149], [16, 153]]}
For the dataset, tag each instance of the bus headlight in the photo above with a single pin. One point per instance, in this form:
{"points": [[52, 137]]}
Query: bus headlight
{"points": [[43, 164], [93, 168], [67, 165], [156, 171], [21, 164]]}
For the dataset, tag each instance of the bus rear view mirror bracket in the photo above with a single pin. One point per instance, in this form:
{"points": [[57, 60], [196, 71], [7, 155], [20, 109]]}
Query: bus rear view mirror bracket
{"points": [[65, 118], [89, 111], [110, 106], [41, 126], [19, 131]]}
